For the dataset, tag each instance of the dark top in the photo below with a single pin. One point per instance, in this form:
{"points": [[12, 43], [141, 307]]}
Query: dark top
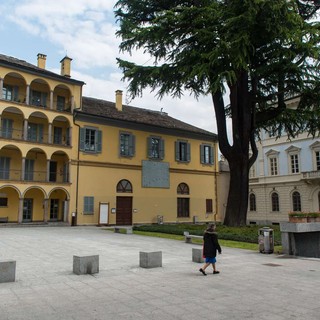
{"points": [[210, 244]]}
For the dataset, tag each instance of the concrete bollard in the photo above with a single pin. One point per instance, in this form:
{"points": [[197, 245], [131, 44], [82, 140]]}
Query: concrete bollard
{"points": [[7, 271], [151, 259], [86, 264], [197, 255]]}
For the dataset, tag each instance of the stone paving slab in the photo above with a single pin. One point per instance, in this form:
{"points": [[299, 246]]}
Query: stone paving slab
{"points": [[251, 285]]}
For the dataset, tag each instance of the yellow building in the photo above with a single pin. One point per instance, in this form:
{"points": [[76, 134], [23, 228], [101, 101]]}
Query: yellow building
{"points": [[63, 155]]}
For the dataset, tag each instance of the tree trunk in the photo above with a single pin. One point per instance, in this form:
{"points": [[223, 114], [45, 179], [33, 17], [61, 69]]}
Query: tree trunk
{"points": [[237, 154], [237, 205]]}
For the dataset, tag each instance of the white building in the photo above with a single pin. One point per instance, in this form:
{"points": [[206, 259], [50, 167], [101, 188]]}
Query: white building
{"points": [[285, 178]]}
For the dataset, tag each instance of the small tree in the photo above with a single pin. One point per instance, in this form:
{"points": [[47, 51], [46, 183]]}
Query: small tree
{"points": [[263, 51]]}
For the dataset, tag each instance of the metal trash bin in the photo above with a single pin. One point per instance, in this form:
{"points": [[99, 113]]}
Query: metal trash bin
{"points": [[266, 240]]}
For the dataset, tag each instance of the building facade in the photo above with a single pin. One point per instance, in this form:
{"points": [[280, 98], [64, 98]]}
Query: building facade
{"points": [[285, 178], [63, 155]]}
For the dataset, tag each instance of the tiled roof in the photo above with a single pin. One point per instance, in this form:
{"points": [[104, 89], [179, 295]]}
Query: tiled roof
{"points": [[21, 64], [107, 109]]}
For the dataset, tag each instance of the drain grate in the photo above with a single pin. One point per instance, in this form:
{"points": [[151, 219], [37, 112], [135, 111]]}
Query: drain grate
{"points": [[272, 264]]}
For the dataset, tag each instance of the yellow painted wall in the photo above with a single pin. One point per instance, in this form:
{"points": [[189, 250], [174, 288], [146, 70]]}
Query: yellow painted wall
{"points": [[11, 211]]}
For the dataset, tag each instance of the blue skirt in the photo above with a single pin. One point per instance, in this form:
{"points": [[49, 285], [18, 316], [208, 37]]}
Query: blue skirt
{"points": [[211, 260]]}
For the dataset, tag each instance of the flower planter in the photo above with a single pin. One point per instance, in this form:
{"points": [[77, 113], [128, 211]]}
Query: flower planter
{"points": [[304, 217]]}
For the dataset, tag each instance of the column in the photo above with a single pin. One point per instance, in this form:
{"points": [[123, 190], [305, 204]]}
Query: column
{"points": [[51, 99], [48, 170], [25, 129], [50, 133], [72, 104], [1, 87], [46, 207], [28, 94], [23, 168], [20, 213]]}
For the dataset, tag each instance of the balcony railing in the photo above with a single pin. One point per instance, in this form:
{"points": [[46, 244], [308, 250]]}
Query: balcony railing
{"points": [[33, 176], [311, 175], [15, 134]]}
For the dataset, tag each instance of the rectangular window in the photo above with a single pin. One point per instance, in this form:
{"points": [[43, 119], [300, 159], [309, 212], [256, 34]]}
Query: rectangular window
{"points": [[155, 148], [274, 166], [53, 171], [88, 205], [182, 149], [61, 102], [6, 128], [3, 202], [294, 163], [29, 170], [206, 154], [318, 160], [209, 207], [54, 209], [35, 132], [38, 98], [183, 207], [57, 135], [4, 168], [90, 140], [10, 93], [127, 144]]}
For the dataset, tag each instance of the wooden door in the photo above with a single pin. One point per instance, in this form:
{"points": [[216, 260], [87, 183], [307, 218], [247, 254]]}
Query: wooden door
{"points": [[124, 211]]}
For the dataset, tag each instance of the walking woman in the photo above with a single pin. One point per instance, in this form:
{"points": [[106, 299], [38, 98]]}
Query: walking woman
{"points": [[210, 248]]}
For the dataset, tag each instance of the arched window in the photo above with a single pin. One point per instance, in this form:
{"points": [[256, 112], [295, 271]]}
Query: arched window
{"points": [[252, 202], [275, 201], [124, 186], [183, 203], [296, 201], [183, 188]]}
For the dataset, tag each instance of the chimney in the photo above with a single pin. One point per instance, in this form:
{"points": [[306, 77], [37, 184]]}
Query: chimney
{"points": [[41, 60], [119, 100], [66, 67]]}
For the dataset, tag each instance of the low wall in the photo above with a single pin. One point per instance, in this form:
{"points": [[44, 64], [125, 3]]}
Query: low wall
{"points": [[301, 239]]}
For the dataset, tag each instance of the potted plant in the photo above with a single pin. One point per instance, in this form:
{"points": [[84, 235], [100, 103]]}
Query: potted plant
{"points": [[301, 217]]}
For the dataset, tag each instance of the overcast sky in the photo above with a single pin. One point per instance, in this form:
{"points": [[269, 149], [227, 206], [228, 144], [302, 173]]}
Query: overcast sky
{"points": [[85, 31]]}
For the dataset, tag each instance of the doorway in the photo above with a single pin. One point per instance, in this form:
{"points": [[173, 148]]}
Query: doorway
{"points": [[27, 210], [124, 211]]}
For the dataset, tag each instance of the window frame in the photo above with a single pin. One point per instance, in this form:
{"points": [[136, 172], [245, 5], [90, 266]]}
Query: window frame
{"points": [[252, 202], [209, 206], [275, 202], [126, 146], [88, 205], [296, 201], [151, 152], [206, 154], [97, 140], [182, 151]]}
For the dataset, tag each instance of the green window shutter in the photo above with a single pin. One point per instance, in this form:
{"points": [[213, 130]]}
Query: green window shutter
{"points": [[131, 145], [82, 138], [202, 153], [15, 93], [161, 149], [188, 152], [177, 151], [149, 147], [40, 128], [99, 140], [44, 99], [211, 155]]}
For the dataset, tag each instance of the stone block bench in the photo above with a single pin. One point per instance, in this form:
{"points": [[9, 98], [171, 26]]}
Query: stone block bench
{"points": [[86, 264], [127, 229], [188, 237], [197, 255], [150, 259], [7, 271], [4, 219]]}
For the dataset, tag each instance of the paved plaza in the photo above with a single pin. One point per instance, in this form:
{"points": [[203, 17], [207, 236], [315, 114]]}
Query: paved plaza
{"points": [[251, 285]]}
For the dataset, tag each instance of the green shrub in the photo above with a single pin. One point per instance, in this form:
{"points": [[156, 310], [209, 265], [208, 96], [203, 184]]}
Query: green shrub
{"points": [[244, 234]]}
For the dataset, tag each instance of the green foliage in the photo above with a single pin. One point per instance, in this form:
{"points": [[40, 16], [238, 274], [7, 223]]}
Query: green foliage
{"points": [[305, 214], [244, 234]]}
